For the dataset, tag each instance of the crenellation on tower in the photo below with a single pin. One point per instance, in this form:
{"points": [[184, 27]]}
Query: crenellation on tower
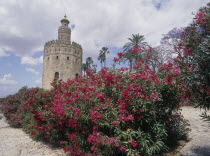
{"points": [[62, 59]]}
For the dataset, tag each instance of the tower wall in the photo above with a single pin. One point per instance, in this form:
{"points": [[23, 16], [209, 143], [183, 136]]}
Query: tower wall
{"points": [[61, 57]]}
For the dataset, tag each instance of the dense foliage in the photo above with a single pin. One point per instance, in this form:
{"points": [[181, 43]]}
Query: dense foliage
{"points": [[11, 106], [195, 45]]}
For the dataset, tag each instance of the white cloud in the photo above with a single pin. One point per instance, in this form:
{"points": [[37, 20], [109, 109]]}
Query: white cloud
{"points": [[8, 89], [6, 80], [38, 82], [32, 71], [3, 53], [25, 29], [32, 61]]}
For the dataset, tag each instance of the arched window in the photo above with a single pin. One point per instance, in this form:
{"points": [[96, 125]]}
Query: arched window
{"points": [[56, 57], [56, 75], [77, 74], [48, 58], [67, 58]]}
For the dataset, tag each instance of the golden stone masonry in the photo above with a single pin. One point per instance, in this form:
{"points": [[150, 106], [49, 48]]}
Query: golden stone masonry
{"points": [[62, 58]]}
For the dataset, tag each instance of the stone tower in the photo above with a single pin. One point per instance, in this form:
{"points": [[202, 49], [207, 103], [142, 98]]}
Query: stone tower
{"points": [[62, 58]]}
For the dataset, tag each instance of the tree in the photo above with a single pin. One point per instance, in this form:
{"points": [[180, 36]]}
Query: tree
{"points": [[167, 48], [134, 41], [102, 55], [89, 62], [155, 60], [84, 67]]}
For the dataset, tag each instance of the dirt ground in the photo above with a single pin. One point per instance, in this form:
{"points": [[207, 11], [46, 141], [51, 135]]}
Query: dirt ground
{"points": [[199, 144]]}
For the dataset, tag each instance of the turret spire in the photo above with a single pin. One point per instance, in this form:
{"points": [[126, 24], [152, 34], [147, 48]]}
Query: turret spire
{"points": [[65, 21]]}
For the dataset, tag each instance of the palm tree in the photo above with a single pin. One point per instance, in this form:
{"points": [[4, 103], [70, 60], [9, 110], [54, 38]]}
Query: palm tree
{"points": [[135, 40], [102, 55], [84, 67], [89, 61], [105, 51]]}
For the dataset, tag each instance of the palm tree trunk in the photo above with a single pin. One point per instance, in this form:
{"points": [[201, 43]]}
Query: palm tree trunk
{"points": [[131, 65]]}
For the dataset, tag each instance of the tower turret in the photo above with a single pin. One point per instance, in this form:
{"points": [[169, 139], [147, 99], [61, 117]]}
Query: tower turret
{"points": [[64, 32], [62, 58]]}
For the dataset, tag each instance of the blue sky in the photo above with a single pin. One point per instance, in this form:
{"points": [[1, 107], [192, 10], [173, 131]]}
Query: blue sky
{"points": [[26, 25]]}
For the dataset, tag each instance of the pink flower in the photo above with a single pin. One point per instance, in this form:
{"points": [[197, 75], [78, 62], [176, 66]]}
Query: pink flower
{"points": [[124, 118], [76, 111], [94, 149], [114, 123], [176, 70], [139, 117], [100, 96], [154, 96], [187, 51], [135, 49], [116, 59], [72, 137], [122, 148], [33, 132], [133, 143], [62, 142], [95, 116], [95, 127], [141, 110], [200, 17], [148, 57], [72, 122], [167, 80], [130, 118], [125, 94], [120, 55], [92, 138]]}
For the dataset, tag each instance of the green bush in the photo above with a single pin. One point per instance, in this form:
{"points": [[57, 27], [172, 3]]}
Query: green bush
{"points": [[111, 112]]}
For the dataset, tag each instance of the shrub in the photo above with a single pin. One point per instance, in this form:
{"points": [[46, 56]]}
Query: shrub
{"points": [[111, 112], [195, 47], [11, 106]]}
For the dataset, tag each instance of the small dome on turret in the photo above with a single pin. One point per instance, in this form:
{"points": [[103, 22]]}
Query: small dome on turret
{"points": [[65, 20]]}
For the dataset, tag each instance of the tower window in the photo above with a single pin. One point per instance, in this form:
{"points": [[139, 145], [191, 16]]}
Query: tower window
{"points": [[48, 58], [56, 57], [56, 75], [67, 58], [77, 75]]}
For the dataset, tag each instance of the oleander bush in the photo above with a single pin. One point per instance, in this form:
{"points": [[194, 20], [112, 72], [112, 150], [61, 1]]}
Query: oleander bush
{"points": [[113, 112], [194, 44], [11, 106]]}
